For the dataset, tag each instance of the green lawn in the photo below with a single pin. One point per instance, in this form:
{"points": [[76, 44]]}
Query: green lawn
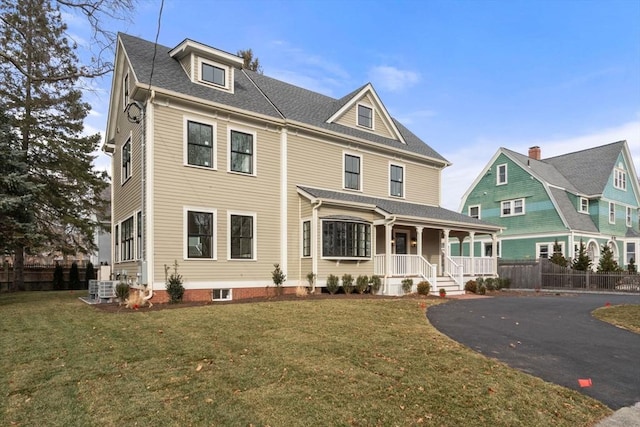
{"points": [[359, 362], [624, 316]]}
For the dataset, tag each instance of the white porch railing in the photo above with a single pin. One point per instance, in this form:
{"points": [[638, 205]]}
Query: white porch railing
{"points": [[406, 265], [478, 266], [453, 270]]}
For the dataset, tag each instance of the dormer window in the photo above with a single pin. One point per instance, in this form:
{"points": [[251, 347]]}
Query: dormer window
{"points": [[365, 116], [213, 74], [584, 205]]}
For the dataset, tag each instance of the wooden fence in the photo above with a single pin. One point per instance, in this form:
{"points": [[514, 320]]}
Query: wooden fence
{"points": [[39, 277], [543, 274]]}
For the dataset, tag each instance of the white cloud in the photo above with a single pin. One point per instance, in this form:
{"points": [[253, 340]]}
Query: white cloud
{"points": [[468, 161], [393, 79]]}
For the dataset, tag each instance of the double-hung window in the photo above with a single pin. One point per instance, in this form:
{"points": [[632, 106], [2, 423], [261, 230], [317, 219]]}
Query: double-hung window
{"points": [[612, 213], [584, 205], [200, 144], [139, 235], [213, 74], [242, 236], [242, 150], [512, 207], [126, 240], [474, 211], [396, 180], [365, 116], [628, 216], [125, 91], [116, 242], [345, 239], [501, 177], [200, 234], [126, 160], [352, 172], [631, 252], [306, 238], [620, 179]]}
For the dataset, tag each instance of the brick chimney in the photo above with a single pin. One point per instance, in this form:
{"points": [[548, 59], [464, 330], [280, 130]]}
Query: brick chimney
{"points": [[534, 152]]}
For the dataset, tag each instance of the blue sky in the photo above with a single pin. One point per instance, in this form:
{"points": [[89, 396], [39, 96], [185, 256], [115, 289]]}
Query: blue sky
{"points": [[467, 77]]}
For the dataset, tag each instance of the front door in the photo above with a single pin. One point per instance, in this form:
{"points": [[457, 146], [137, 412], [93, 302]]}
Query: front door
{"points": [[401, 243]]}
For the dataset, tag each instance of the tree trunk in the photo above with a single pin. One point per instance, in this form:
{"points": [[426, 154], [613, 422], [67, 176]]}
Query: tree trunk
{"points": [[18, 270]]}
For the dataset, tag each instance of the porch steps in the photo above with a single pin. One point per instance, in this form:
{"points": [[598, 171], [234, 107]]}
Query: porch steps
{"points": [[449, 285]]}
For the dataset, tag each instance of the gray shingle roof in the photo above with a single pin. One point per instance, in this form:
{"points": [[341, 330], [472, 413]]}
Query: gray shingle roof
{"points": [[584, 172], [396, 207], [294, 102]]}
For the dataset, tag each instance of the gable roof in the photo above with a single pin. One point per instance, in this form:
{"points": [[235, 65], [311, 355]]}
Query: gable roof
{"points": [[256, 93], [432, 214]]}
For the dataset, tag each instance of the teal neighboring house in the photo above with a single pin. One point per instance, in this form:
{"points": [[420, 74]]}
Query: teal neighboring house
{"points": [[591, 196]]}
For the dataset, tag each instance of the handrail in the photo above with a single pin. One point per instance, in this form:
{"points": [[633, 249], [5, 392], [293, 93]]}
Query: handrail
{"points": [[453, 270]]}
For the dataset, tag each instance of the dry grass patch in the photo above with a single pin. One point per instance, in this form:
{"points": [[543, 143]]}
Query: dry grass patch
{"points": [[623, 316], [290, 363]]}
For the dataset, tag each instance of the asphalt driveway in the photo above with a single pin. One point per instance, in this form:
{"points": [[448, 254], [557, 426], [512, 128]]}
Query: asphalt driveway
{"points": [[552, 337]]}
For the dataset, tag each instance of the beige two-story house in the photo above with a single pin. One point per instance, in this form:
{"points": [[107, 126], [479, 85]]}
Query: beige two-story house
{"points": [[228, 172]]}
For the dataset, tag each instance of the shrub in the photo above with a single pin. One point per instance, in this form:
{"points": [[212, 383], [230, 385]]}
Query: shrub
{"points": [[278, 278], [407, 284], [362, 283], [504, 283], [471, 286], [333, 283], [58, 278], [90, 274], [174, 284], [347, 283], [424, 287], [311, 278], [490, 284], [74, 276], [301, 291], [376, 284], [442, 292], [482, 289], [122, 292]]}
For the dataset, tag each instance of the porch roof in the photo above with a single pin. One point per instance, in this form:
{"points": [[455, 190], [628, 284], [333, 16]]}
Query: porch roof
{"points": [[415, 212]]}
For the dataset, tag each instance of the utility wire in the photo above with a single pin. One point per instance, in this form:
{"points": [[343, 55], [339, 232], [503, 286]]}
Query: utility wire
{"points": [[155, 45]]}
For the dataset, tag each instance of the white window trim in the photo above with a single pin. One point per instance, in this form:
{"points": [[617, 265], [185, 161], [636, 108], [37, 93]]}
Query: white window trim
{"points": [[185, 231], [254, 248], [126, 94], [302, 221], [580, 209], [506, 174], [361, 180], [124, 179], [136, 246], [373, 116], [134, 238], [618, 175], [254, 171], [511, 204], [479, 210], [404, 178], [185, 139], [629, 216], [550, 246], [227, 75], [230, 290], [116, 243], [612, 212]]}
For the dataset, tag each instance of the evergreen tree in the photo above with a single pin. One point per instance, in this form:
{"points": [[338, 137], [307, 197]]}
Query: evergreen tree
{"points": [[90, 274], [74, 276], [631, 267], [557, 257], [43, 102], [58, 277], [607, 262], [582, 262]]}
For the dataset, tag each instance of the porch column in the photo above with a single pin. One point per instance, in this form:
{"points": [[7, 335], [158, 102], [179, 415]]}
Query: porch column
{"points": [[419, 240], [447, 253], [494, 252], [388, 228], [471, 252]]}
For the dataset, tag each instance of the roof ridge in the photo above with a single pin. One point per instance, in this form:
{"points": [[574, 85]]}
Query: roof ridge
{"points": [[599, 147]]}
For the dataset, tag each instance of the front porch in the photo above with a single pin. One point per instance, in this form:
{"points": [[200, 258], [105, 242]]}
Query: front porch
{"points": [[450, 274]]}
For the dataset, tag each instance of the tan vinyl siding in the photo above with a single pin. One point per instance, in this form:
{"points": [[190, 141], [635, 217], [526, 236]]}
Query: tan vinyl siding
{"points": [[319, 164], [381, 127], [186, 64], [176, 186]]}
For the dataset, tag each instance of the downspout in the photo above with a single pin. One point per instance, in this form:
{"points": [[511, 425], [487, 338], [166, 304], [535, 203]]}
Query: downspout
{"points": [[143, 252], [314, 241]]}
